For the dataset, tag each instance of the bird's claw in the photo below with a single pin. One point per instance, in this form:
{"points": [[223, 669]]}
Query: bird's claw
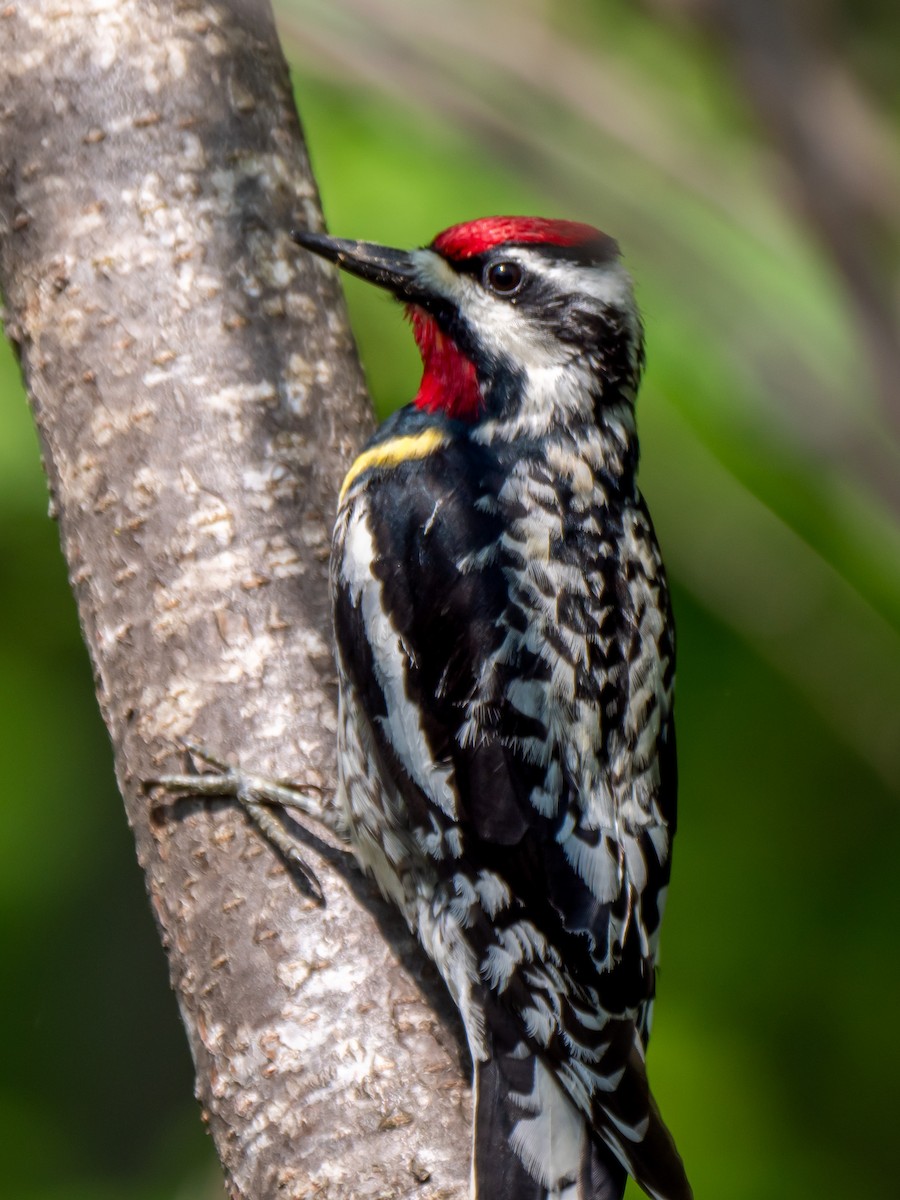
{"points": [[255, 794]]}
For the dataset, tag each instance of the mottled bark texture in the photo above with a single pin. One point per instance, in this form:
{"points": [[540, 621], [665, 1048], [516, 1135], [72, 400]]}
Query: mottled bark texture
{"points": [[198, 398]]}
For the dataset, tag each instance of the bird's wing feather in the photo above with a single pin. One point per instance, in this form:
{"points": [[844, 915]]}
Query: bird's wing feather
{"points": [[423, 614]]}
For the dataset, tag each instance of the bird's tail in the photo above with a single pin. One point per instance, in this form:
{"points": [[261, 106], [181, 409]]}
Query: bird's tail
{"points": [[531, 1143]]}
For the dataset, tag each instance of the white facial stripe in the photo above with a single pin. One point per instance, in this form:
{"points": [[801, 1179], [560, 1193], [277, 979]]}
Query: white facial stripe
{"points": [[437, 274], [609, 284]]}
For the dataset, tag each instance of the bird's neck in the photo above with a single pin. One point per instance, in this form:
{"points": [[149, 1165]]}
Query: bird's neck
{"points": [[527, 407], [568, 407]]}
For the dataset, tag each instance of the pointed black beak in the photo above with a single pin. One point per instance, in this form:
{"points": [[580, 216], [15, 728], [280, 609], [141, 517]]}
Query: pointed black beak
{"points": [[391, 269]]}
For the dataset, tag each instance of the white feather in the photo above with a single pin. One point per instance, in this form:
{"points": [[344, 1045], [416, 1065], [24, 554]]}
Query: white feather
{"points": [[550, 1141]]}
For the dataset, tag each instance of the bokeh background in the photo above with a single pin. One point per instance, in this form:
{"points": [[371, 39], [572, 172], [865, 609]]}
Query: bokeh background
{"points": [[746, 156]]}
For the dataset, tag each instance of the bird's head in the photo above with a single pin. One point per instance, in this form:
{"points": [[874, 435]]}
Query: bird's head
{"points": [[518, 319]]}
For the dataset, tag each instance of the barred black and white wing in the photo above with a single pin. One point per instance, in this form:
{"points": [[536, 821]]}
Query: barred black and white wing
{"points": [[507, 768]]}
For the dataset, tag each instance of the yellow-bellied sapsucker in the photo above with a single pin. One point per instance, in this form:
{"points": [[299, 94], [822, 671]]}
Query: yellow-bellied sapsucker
{"points": [[506, 659]]}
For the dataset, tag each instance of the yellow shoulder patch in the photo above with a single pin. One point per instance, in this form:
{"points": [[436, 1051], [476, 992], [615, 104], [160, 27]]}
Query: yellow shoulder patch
{"points": [[393, 452]]}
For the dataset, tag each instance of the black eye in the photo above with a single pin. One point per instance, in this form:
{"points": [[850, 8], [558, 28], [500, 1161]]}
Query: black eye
{"points": [[504, 278]]}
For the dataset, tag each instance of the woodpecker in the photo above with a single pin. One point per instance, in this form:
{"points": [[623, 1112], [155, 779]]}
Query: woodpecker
{"points": [[506, 659]]}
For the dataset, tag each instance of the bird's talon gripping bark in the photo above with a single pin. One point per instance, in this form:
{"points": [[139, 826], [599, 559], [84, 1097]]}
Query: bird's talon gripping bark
{"points": [[256, 795]]}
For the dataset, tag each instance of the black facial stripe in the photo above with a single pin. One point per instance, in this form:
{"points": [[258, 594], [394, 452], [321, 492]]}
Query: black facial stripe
{"points": [[570, 317], [473, 266], [443, 311], [588, 254]]}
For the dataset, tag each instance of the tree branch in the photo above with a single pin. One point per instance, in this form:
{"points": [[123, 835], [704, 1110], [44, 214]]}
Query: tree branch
{"points": [[198, 398]]}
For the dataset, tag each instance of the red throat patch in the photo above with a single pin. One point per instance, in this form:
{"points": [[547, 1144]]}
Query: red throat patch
{"points": [[449, 382], [476, 237]]}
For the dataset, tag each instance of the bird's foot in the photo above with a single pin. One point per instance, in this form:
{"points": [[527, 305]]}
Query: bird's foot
{"points": [[257, 796]]}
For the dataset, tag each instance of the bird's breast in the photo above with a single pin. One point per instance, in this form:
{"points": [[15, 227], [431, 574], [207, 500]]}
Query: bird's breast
{"points": [[585, 651]]}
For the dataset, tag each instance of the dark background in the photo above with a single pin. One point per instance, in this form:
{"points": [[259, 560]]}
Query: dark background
{"points": [[745, 155]]}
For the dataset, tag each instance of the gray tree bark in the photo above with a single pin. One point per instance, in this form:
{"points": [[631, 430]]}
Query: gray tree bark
{"points": [[198, 398]]}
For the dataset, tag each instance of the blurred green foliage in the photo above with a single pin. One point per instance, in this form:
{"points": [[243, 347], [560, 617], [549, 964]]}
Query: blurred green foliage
{"points": [[770, 464]]}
